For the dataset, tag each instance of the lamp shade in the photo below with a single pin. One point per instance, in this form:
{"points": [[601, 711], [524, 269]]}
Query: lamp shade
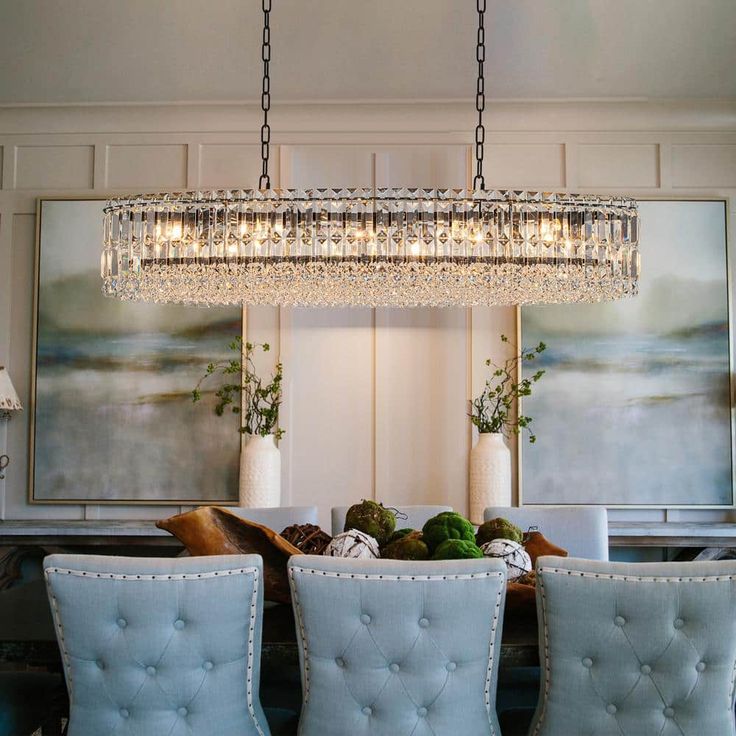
{"points": [[9, 400]]}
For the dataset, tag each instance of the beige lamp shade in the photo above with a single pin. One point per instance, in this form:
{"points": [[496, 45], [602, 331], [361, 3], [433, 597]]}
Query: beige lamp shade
{"points": [[9, 400]]}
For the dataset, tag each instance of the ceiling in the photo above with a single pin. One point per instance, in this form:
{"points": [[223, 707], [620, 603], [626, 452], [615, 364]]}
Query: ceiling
{"points": [[81, 51]]}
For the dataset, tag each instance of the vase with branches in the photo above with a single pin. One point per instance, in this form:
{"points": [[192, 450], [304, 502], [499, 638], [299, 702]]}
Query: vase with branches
{"points": [[257, 401], [497, 415]]}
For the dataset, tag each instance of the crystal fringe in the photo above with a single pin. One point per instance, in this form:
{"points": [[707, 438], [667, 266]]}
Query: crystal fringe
{"points": [[364, 247]]}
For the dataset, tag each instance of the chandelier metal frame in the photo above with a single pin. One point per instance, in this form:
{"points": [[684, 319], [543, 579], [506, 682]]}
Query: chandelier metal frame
{"points": [[370, 247]]}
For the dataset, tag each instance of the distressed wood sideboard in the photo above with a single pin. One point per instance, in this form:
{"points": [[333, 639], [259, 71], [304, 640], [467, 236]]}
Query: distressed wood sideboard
{"points": [[19, 539]]}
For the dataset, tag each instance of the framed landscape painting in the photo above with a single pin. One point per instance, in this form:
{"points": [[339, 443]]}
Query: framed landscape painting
{"points": [[113, 419], [635, 406]]}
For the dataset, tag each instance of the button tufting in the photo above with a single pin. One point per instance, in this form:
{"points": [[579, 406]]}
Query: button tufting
{"points": [[421, 712], [182, 711], [619, 620], [669, 712], [450, 666], [700, 666], [100, 664], [645, 669], [340, 662], [679, 623], [208, 665], [367, 711], [150, 670], [394, 667], [424, 622], [611, 709], [365, 618], [124, 713], [122, 623], [178, 624], [587, 662]]}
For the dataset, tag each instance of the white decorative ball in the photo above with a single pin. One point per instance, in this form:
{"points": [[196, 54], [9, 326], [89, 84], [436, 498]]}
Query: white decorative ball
{"points": [[517, 560], [354, 544]]}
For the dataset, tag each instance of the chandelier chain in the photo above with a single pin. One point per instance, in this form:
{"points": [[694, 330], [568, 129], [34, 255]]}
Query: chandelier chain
{"points": [[264, 182], [480, 97]]}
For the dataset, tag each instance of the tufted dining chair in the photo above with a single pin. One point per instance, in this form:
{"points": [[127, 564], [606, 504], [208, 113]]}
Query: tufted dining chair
{"points": [[394, 648], [581, 530], [159, 646], [636, 648], [416, 516]]}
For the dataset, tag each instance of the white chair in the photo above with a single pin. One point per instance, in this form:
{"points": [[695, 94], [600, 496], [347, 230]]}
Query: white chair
{"points": [[581, 530], [416, 516]]}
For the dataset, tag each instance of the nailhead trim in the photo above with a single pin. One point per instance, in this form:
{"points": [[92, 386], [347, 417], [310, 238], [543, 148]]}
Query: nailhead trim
{"points": [[176, 576], [402, 578]]}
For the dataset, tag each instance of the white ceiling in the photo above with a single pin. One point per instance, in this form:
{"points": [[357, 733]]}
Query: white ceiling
{"points": [[208, 50]]}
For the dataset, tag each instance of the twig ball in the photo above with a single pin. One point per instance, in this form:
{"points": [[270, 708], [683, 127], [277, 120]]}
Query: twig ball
{"points": [[354, 544], [518, 562], [307, 538]]}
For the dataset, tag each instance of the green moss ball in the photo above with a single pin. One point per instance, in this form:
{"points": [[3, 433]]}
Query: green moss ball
{"points": [[373, 519], [401, 533], [408, 548], [457, 549], [445, 526], [498, 529]]}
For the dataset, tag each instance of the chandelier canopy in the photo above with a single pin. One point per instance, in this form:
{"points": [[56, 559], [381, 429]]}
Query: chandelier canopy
{"points": [[370, 247]]}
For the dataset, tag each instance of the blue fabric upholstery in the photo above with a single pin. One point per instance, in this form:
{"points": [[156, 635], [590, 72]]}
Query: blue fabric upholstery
{"points": [[393, 648], [636, 649], [581, 530], [278, 518], [417, 516], [159, 646]]}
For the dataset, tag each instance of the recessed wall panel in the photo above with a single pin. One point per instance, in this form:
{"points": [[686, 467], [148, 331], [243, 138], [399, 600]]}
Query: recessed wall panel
{"points": [[146, 166], [631, 166], [54, 167]]}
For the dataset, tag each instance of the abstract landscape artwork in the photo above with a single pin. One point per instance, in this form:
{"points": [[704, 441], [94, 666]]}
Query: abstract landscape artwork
{"points": [[114, 419], [635, 407]]}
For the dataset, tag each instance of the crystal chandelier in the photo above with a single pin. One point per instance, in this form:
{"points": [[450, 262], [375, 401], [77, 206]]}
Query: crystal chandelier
{"points": [[370, 247]]}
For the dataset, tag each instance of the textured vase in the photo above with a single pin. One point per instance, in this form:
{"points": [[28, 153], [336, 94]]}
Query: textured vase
{"points": [[260, 472], [490, 475]]}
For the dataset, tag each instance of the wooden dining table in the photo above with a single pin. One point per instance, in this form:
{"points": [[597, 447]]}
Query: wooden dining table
{"points": [[27, 636], [28, 640]]}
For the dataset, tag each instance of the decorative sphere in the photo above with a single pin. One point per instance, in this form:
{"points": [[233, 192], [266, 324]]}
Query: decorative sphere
{"points": [[498, 529], [371, 518], [354, 544], [518, 562]]}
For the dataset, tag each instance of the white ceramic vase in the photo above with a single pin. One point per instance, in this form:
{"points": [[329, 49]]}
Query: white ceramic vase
{"points": [[260, 472], [490, 474]]}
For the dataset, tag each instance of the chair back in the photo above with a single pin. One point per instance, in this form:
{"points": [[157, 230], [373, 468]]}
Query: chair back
{"points": [[581, 530], [159, 646], [630, 649], [279, 517], [400, 648], [417, 516]]}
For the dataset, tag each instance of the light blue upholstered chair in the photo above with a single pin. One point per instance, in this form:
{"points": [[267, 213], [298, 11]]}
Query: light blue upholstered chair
{"points": [[417, 516], [393, 648], [581, 530], [636, 649], [159, 646], [278, 518]]}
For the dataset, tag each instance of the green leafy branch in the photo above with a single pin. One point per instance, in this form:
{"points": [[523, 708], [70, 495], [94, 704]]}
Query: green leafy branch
{"points": [[260, 403], [493, 410]]}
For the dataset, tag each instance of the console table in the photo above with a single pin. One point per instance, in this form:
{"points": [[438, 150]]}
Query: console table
{"points": [[40, 533], [19, 539]]}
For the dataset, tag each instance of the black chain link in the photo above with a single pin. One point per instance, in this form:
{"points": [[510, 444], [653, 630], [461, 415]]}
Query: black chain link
{"points": [[480, 97], [264, 182]]}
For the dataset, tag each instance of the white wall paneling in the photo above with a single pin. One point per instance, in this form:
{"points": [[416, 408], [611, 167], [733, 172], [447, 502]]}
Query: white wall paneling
{"points": [[146, 166], [375, 400], [54, 167]]}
